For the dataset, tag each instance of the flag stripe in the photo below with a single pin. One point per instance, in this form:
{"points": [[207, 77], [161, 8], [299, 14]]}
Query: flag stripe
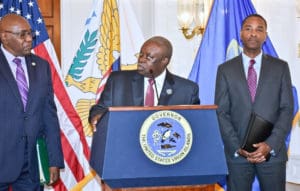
{"points": [[60, 186], [62, 96], [103, 82]]}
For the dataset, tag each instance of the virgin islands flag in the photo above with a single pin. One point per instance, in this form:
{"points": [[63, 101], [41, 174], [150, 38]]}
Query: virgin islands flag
{"points": [[111, 41]]}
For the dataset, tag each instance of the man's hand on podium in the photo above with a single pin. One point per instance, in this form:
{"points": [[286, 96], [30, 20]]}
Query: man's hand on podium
{"points": [[94, 121]]}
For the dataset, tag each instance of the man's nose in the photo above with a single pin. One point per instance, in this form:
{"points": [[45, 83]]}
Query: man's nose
{"points": [[253, 32]]}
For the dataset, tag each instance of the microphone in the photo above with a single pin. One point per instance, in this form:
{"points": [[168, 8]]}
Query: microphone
{"points": [[155, 86]]}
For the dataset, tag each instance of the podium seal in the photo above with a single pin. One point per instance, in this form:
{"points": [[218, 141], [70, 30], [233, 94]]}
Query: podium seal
{"points": [[166, 137]]}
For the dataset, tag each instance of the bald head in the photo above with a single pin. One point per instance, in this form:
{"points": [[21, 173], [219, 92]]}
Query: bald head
{"points": [[164, 43], [11, 21], [155, 55], [15, 34]]}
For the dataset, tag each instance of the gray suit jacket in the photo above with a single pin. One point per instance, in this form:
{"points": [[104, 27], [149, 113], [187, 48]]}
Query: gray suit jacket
{"points": [[273, 101], [126, 88]]}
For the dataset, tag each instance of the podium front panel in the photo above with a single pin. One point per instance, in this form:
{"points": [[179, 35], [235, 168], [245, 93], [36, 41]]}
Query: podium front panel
{"points": [[118, 158]]}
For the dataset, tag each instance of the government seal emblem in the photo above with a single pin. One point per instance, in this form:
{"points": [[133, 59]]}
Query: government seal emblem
{"points": [[166, 137]]}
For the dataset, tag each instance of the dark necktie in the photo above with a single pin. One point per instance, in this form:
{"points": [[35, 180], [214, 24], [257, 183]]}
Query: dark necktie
{"points": [[21, 81], [252, 80], [149, 100]]}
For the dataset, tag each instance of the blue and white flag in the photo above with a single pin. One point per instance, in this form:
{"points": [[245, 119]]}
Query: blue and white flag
{"points": [[221, 41]]}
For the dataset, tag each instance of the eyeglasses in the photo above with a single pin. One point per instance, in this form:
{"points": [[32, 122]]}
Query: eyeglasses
{"points": [[22, 34], [149, 58]]}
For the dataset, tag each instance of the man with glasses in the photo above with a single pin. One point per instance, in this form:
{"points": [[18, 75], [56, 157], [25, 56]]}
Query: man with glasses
{"points": [[22, 34], [150, 80], [27, 110]]}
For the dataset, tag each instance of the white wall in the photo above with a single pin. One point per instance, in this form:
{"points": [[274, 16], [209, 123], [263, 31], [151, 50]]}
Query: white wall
{"points": [[283, 29]]}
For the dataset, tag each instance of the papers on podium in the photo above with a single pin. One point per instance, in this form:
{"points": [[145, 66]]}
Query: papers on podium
{"points": [[43, 161], [258, 130]]}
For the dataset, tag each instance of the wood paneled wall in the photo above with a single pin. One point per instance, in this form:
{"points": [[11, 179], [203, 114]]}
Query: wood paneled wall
{"points": [[50, 10]]}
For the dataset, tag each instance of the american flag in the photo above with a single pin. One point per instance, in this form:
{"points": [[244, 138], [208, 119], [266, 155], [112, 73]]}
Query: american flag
{"points": [[77, 173]]}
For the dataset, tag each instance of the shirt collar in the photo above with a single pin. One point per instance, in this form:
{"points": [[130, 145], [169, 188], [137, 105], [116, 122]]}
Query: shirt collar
{"points": [[246, 59], [9, 56]]}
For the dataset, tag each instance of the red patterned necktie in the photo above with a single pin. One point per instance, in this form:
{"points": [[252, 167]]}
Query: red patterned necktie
{"points": [[252, 80], [149, 100], [21, 81]]}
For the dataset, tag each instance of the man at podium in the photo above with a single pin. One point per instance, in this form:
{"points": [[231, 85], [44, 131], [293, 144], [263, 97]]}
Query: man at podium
{"points": [[151, 84]]}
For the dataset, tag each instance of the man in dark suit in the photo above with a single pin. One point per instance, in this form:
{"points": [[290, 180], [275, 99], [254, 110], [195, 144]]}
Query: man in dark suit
{"points": [[128, 88], [271, 99], [27, 110]]}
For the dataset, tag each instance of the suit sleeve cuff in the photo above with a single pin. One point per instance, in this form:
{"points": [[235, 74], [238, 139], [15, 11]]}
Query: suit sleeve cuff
{"points": [[236, 154], [273, 153]]}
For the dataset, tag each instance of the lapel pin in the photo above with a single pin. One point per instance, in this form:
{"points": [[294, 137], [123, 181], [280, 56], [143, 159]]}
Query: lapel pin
{"points": [[169, 91], [33, 63]]}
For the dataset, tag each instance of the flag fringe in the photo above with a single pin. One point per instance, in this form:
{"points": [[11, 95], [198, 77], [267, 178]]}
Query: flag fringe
{"points": [[79, 186], [296, 119], [219, 187]]}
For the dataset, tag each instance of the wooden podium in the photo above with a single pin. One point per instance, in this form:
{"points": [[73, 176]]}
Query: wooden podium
{"points": [[123, 163]]}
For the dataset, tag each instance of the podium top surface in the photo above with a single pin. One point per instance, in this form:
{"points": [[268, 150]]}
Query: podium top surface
{"points": [[161, 107]]}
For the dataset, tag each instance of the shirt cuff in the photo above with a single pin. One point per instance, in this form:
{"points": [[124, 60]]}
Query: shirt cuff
{"points": [[236, 154]]}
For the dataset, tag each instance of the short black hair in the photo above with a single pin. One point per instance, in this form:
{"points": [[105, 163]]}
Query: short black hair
{"points": [[254, 15]]}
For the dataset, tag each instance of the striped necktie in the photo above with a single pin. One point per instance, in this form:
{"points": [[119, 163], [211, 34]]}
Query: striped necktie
{"points": [[252, 80], [21, 81]]}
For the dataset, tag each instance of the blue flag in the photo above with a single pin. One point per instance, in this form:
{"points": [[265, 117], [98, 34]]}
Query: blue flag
{"points": [[221, 41]]}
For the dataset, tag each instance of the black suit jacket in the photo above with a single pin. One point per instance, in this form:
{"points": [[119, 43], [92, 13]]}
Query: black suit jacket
{"points": [[273, 101], [126, 88]]}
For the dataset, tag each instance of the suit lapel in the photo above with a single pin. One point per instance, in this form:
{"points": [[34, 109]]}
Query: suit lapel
{"points": [[8, 76], [242, 75], [138, 89], [263, 75], [31, 69], [167, 90]]}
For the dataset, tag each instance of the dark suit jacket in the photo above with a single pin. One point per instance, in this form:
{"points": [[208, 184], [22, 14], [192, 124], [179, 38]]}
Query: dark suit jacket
{"points": [[273, 101], [126, 88], [18, 127]]}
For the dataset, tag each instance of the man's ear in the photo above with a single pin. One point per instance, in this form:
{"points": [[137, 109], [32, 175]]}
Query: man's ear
{"points": [[2, 38], [165, 61]]}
